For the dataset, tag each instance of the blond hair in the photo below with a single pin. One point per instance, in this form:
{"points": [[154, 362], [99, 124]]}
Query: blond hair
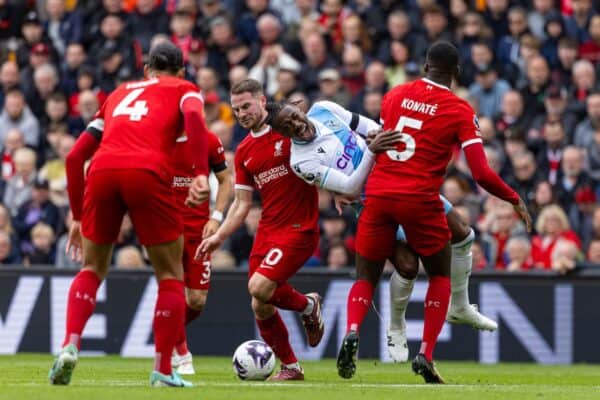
{"points": [[550, 211], [42, 229]]}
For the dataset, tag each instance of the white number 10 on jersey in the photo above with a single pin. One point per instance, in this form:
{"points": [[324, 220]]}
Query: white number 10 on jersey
{"points": [[408, 140], [136, 112]]}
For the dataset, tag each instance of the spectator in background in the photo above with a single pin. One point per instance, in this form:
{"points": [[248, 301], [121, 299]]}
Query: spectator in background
{"points": [[207, 80], [331, 88], [87, 106], [273, 57], [583, 84], [7, 229], [584, 131], [555, 32], [333, 15], [334, 232], [45, 83], [62, 27], [512, 113], [42, 251], [593, 253], [224, 48], [75, 57], [224, 132], [197, 58], [217, 110], [317, 59], [538, 78], [33, 34], [338, 257], [54, 172], [18, 188], [551, 150], [92, 27], [479, 260], [372, 104], [374, 82], [38, 209], [8, 253], [112, 69], [39, 55], [526, 175], [354, 32], [518, 254], [544, 196], [237, 74], [9, 79], [499, 224], [577, 23], [129, 257], [567, 55], [593, 157], [209, 10], [399, 29], [145, 21], [471, 29], [552, 225], [287, 83], [496, 17], [536, 19], [395, 71], [57, 112], [17, 115], [182, 25], [435, 23], [488, 91], [86, 80], [555, 110], [565, 256], [14, 140], [247, 23], [114, 39], [353, 71]]}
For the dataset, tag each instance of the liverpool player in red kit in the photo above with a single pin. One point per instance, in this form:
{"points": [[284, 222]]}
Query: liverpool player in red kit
{"points": [[198, 223], [404, 187], [138, 126], [287, 233]]}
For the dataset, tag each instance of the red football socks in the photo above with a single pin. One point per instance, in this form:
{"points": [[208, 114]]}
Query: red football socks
{"points": [[436, 307], [80, 305], [359, 301], [181, 346], [169, 316], [288, 298], [275, 334]]}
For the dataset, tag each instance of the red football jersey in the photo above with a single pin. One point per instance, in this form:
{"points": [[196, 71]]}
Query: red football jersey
{"points": [[262, 161], [433, 120], [141, 122], [194, 218]]}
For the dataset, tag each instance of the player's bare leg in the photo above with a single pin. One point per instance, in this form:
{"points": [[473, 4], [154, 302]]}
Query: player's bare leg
{"points": [[436, 304], [182, 359], [169, 313], [402, 281], [275, 334], [461, 311], [359, 301], [81, 302]]}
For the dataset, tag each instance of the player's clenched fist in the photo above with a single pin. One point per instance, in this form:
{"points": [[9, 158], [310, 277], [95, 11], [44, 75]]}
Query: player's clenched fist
{"points": [[208, 245], [199, 191]]}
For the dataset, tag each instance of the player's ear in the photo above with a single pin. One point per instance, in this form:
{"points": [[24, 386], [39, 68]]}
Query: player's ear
{"points": [[180, 73], [146, 71]]}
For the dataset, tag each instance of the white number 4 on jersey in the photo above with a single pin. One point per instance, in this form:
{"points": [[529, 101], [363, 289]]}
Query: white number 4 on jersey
{"points": [[136, 112]]}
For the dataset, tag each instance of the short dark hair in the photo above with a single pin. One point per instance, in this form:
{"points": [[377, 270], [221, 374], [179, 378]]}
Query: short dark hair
{"points": [[58, 97], [247, 85], [272, 110], [443, 56], [167, 57]]}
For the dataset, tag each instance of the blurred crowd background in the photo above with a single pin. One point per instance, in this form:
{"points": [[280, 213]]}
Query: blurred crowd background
{"points": [[529, 69]]}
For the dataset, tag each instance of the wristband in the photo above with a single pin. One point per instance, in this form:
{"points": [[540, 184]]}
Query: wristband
{"points": [[217, 216]]}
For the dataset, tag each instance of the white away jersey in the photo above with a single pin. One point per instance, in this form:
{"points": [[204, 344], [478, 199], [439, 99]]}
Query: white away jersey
{"points": [[338, 159]]}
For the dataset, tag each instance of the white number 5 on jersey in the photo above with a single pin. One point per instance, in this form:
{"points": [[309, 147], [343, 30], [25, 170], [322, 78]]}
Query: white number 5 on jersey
{"points": [[408, 140], [135, 112]]}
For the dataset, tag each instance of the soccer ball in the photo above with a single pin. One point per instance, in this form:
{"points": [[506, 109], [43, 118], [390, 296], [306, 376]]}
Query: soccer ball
{"points": [[253, 360]]}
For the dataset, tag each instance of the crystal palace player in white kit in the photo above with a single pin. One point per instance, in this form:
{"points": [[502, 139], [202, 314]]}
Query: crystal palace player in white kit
{"points": [[329, 150]]}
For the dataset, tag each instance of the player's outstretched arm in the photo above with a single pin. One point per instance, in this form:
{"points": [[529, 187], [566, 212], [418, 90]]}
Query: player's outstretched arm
{"points": [[235, 217], [223, 197], [492, 183]]}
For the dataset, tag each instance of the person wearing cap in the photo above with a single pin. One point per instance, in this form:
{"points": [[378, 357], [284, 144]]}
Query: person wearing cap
{"points": [[147, 20], [33, 33], [332, 89], [488, 90], [555, 109]]}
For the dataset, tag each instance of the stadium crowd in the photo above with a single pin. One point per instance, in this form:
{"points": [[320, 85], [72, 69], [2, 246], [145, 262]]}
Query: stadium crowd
{"points": [[529, 68]]}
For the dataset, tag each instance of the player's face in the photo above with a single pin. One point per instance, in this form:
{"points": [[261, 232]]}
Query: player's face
{"points": [[292, 122], [249, 109]]}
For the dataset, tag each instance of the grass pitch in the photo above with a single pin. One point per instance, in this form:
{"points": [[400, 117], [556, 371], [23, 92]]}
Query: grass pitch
{"points": [[113, 378]]}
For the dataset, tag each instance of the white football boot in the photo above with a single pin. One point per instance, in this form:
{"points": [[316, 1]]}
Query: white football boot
{"points": [[470, 315], [397, 345]]}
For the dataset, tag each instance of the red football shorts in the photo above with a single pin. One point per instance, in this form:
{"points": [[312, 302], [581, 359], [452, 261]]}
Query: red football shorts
{"points": [[423, 220], [196, 272], [278, 256], [148, 199]]}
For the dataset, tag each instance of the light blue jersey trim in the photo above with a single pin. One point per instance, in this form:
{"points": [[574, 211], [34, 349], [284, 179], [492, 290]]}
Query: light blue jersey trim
{"points": [[325, 177]]}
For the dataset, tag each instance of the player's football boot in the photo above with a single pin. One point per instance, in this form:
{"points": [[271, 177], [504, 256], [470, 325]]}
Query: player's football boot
{"points": [[183, 364], [288, 374], [313, 323], [174, 380], [60, 373], [426, 369], [397, 345], [470, 315], [346, 361]]}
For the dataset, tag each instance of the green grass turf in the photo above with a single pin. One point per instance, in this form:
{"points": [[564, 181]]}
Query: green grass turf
{"points": [[113, 378]]}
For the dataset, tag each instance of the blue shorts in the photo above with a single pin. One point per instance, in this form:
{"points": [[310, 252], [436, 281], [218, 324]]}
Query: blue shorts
{"points": [[400, 235]]}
